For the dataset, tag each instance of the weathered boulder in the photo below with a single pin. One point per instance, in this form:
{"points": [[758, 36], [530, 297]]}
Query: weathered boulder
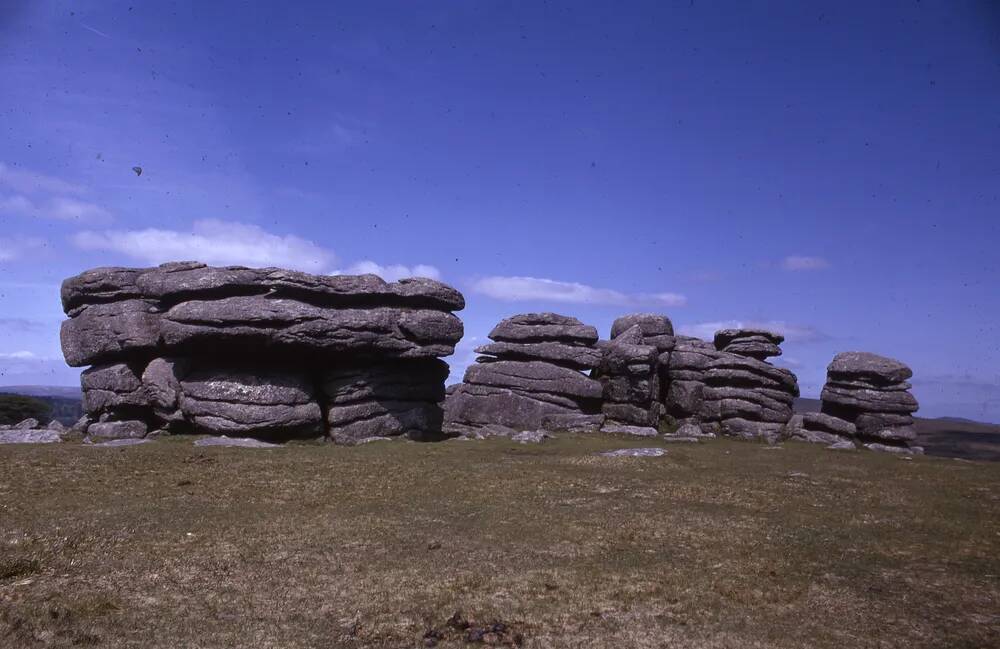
{"points": [[117, 429], [246, 401], [528, 374], [655, 330], [741, 394], [534, 377], [635, 452], [100, 285], [629, 375], [576, 357], [260, 322], [573, 422], [818, 432], [240, 442], [544, 327], [477, 405], [865, 365], [102, 333], [30, 436], [753, 343], [161, 381], [871, 392], [385, 400], [112, 388], [180, 281]]}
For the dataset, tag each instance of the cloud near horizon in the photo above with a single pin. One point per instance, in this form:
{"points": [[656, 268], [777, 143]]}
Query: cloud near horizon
{"points": [[517, 289], [29, 182], [793, 333], [802, 262], [12, 248], [38, 196]]}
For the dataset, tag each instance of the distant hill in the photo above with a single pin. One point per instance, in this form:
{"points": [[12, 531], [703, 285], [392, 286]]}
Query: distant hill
{"points": [[806, 405], [944, 436], [66, 403], [68, 391]]}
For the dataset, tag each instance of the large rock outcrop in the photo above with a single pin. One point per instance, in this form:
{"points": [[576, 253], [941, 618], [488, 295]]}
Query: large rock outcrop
{"points": [[530, 376], [866, 401], [260, 352]]}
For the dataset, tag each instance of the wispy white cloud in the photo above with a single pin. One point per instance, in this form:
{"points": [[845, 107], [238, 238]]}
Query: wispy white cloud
{"points": [[803, 262], [391, 272], [12, 248], [211, 241], [517, 289], [21, 325], [23, 367], [30, 182], [96, 31], [18, 355], [793, 333], [39, 196], [58, 207]]}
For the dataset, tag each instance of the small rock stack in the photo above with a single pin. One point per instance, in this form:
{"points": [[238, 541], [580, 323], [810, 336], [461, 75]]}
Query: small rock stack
{"points": [[866, 400], [751, 343], [630, 372], [744, 395], [270, 353], [530, 377]]}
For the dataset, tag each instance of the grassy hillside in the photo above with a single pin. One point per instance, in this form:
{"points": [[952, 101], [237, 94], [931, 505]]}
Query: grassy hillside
{"points": [[722, 544]]}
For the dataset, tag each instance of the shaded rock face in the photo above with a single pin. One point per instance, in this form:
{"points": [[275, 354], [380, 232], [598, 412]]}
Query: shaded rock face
{"points": [[268, 352], [866, 400], [629, 376], [530, 374]]}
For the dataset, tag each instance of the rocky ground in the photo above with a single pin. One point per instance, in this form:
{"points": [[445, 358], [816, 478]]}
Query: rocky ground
{"points": [[722, 543]]}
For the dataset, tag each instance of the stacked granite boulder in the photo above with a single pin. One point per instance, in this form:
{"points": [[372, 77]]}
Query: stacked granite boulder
{"points": [[744, 395], [682, 378], [866, 400], [629, 372], [530, 377], [272, 353]]}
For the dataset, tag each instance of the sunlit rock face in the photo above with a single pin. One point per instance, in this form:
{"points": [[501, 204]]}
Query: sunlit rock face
{"points": [[529, 377], [265, 352], [727, 387], [872, 392]]}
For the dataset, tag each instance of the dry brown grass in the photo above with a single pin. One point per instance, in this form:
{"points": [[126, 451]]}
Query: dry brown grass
{"points": [[724, 544]]}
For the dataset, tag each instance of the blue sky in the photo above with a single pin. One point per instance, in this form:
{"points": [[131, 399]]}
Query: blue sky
{"points": [[828, 169]]}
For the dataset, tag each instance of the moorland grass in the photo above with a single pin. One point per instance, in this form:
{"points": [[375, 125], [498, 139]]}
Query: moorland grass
{"points": [[720, 544]]}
